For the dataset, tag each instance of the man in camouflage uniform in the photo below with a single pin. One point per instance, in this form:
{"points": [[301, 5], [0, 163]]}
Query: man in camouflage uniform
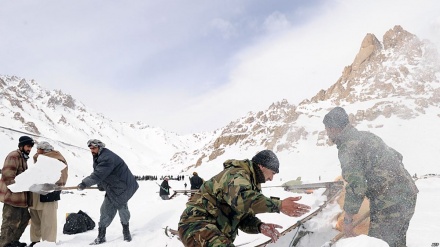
{"points": [[230, 200], [373, 170]]}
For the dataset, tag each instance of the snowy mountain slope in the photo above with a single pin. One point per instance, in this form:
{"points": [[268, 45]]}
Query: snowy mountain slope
{"points": [[68, 124], [392, 88]]}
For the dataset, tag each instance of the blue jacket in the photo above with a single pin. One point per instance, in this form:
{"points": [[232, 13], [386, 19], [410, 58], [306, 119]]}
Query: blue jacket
{"points": [[112, 174]]}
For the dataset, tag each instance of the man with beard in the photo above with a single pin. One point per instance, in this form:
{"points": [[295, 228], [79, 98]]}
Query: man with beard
{"points": [[44, 208], [15, 205], [373, 170], [113, 176], [230, 200]]}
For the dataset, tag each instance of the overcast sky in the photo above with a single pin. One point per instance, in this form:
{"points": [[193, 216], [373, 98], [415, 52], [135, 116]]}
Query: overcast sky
{"points": [[191, 66]]}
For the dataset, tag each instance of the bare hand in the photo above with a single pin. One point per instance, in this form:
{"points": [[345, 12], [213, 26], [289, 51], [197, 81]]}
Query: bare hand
{"points": [[269, 230], [291, 208], [348, 226]]}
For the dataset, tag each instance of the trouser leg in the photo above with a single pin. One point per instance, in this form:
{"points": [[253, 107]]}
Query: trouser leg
{"points": [[108, 212], [391, 224], [49, 222], [204, 235], [124, 214], [35, 232], [14, 222]]}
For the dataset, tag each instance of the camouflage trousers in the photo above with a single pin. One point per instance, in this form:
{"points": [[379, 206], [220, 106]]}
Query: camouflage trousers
{"points": [[203, 234], [15, 221], [391, 224]]}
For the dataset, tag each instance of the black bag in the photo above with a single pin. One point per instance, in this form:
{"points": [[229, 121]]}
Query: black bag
{"points": [[51, 197], [77, 223]]}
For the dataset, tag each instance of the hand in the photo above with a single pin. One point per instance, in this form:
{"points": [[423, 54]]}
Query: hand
{"points": [[291, 208], [269, 230], [81, 186], [348, 226]]}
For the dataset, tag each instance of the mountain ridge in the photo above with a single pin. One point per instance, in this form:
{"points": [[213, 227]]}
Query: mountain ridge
{"points": [[397, 78]]}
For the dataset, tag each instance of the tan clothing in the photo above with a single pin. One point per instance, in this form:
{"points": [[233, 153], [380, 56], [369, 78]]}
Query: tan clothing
{"points": [[44, 214], [44, 222]]}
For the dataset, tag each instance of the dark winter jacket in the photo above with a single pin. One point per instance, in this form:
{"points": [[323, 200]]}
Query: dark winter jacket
{"points": [[373, 170], [112, 174], [196, 182], [164, 188]]}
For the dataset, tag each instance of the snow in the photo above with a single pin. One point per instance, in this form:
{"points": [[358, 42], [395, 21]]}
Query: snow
{"points": [[38, 174], [150, 215]]}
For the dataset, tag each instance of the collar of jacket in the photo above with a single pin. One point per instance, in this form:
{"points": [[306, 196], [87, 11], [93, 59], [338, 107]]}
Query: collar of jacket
{"points": [[246, 165], [345, 134]]}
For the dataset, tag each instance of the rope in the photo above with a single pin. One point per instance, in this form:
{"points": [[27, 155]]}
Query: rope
{"points": [[40, 136]]}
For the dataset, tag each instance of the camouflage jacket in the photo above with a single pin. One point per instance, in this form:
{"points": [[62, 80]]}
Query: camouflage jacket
{"points": [[230, 200], [372, 169]]}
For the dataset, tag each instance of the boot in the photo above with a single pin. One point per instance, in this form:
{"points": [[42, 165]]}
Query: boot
{"points": [[101, 236], [126, 232]]}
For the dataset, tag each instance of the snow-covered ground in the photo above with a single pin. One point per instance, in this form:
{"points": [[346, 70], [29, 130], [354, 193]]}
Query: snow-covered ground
{"points": [[150, 215]]}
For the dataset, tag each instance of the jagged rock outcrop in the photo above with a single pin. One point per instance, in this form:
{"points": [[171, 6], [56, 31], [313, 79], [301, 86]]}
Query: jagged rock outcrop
{"points": [[403, 66], [387, 73]]}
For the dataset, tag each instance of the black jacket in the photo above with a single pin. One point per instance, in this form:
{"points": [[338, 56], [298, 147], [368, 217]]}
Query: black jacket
{"points": [[112, 174], [196, 182]]}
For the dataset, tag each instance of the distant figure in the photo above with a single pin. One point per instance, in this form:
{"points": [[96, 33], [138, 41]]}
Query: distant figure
{"points": [[230, 200], [374, 170], [112, 175], [164, 190], [15, 217], [44, 208], [196, 182]]}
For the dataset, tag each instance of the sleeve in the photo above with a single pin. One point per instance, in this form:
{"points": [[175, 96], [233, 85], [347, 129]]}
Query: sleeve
{"points": [[250, 225], [9, 171], [353, 174], [101, 171], [245, 200]]}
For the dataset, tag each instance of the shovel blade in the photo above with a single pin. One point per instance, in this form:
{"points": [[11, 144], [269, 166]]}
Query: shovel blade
{"points": [[44, 189]]}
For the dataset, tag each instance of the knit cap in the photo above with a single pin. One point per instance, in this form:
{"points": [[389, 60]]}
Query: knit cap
{"points": [[25, 140], [267, 159], [336, 118]]}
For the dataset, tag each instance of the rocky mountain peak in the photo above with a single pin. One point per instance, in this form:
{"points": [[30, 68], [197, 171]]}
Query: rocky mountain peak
{"points": [[386, 74]]}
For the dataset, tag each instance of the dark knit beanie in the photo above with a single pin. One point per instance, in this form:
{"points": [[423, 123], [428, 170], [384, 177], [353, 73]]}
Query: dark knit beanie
{"points": [[25, 140], [267, 159], [336, 118]]}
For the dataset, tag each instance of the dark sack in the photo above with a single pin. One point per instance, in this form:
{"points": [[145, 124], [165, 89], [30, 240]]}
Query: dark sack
{"points": [[51, 197], [77, 223]]}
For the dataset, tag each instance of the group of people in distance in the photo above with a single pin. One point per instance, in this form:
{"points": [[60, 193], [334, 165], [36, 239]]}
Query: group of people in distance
{"points": [[164, 187], [110, 173], [230, 200]]}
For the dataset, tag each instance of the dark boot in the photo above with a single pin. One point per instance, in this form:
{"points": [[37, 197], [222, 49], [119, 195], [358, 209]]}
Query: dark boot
{"points": [[126, 232], [16, 244], [101, 237]]}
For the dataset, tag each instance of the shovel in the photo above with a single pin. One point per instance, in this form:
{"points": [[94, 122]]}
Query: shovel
{"points": [[44, 189], [342, 234]]}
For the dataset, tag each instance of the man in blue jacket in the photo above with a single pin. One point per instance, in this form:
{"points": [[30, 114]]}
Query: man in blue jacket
{"points": [[112, 175]]}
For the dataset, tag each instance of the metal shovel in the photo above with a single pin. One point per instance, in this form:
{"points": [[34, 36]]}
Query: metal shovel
{"points": [[47, 188]]}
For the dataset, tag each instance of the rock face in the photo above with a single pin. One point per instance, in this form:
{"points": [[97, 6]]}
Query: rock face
{"points": [[386, 74]]}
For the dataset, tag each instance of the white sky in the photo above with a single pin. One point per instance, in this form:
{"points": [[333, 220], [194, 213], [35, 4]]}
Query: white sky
{"points": [[190, 66]]}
